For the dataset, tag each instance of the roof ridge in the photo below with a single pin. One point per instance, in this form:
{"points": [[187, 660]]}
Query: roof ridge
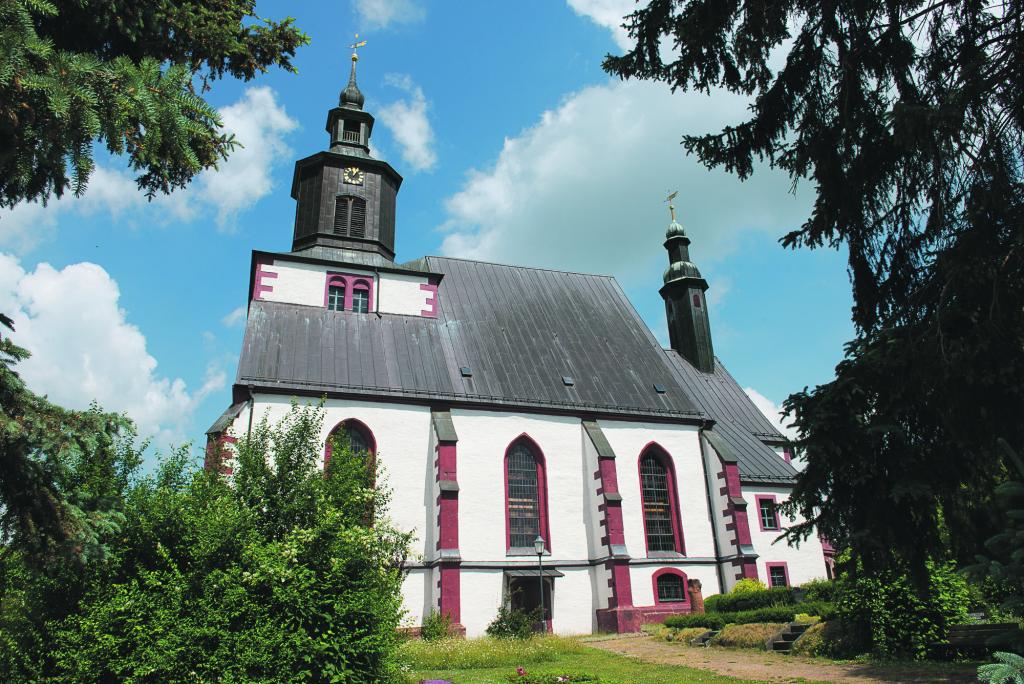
{"points": [[528, 268]]}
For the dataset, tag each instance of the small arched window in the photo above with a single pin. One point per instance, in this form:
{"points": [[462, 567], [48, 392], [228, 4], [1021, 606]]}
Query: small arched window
{"points": [[336, 296], [354, 435], [350, 216], [660, 503], [670, 586], [360, 298], [525, 495]]}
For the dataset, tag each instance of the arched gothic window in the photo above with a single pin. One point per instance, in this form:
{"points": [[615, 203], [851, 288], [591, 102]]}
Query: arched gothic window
{"points": [[525, 495], [670, 586], [356, 436], [660, 503]]}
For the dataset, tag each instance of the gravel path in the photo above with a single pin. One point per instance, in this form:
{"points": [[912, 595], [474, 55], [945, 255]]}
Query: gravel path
{"points": [[776, 667]]}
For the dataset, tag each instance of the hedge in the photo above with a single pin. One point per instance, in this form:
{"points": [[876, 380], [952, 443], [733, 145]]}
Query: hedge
{"points": [[746, 617], [731, 603]]}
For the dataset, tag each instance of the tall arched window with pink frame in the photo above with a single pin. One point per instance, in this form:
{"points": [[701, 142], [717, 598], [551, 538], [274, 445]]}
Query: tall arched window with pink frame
{"points": [[356, 436], [526, 510], [659, 497]]}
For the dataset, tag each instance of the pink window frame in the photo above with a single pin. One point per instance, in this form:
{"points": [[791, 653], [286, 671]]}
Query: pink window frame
{"points": [[350, 424], [768, 571], [659, 452], [542, 490], [351, 282], [760, 521], [685, 603]]}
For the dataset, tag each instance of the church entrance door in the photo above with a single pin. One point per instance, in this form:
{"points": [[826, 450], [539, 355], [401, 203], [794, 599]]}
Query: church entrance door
{"points": [[524, 595]]}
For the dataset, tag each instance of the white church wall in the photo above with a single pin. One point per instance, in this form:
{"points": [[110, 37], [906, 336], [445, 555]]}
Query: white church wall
{"points": [[595, 531], [416, 596], [803, 564], [628, 439], [401, 293], [643, 586], [482, 593], [301, 283], [720, 503], [574, 602], [483, 438]]}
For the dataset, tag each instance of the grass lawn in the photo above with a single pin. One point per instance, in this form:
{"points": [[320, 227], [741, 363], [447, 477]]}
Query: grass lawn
{"points": [[486, 661]]}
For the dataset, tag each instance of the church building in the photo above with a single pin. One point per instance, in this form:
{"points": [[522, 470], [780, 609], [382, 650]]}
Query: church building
{"points": [[516, 409]]}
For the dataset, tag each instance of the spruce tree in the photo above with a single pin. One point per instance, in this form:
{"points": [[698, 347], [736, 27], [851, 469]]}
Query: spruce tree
{"points": [[129, 75]]}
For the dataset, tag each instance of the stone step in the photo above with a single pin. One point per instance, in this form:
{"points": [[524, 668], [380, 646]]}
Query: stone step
{"points": [[704, 638], [782, 645]]}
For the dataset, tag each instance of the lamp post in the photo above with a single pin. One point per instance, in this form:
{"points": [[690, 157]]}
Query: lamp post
{"points": [[538, 547]]}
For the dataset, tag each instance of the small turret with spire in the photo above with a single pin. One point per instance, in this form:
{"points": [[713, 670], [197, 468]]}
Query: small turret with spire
{"points": [[689, 328]]}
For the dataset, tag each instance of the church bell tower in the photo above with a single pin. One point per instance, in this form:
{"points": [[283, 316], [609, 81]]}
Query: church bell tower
{"points": [[686, 307], [345, 199]]}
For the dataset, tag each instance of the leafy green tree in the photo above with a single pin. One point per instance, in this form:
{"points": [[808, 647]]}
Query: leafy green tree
{"points": [[906, 118], [209, 581], [128, 74]]}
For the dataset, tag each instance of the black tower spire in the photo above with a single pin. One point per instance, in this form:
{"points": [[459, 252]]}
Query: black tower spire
{"points": [[686, 306], [346, 198]]}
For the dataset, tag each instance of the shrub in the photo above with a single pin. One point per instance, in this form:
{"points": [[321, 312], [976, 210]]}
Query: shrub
{"points": [[895, 619], [829, 640], [820, 590], [747, 636], [436, 626], [471, 654], [749, 600], [748, 585], [511, 623], [707, 621], [278, 577]]}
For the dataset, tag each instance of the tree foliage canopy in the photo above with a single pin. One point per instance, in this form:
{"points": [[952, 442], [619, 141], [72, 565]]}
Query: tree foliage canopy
{"points": [[906, 117], [128, 74]]}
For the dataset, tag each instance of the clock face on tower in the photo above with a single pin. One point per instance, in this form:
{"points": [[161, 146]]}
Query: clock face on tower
{"points": [[353, 176]]}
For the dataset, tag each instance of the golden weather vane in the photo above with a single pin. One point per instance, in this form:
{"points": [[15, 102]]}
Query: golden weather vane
{"points": [[672, 207], [355, 46]]}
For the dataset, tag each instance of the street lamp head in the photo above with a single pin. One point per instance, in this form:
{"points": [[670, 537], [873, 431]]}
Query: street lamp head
{"points": [[538, 545]]}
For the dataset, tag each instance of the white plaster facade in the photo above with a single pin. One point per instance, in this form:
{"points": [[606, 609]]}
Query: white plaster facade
{"points": [[405, 442], [296, 282]]}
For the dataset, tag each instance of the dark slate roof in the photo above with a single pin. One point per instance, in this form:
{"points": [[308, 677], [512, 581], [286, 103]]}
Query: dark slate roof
{"points": [[519, 331], [739, 426]]}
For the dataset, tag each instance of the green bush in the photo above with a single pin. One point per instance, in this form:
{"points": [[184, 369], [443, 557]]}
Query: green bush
{"points": [[435, 626], [832, 639], [748, 585], [888, 614], [820, 590], [747, 636], [745, 617], [514, 624], [282, 576], [707, 621], [749, 600]]}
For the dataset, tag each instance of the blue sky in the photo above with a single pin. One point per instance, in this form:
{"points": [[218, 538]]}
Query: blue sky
{"points": [[515, 147]]}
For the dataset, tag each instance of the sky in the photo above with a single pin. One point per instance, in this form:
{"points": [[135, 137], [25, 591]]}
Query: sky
{"points": [[515, 147]]}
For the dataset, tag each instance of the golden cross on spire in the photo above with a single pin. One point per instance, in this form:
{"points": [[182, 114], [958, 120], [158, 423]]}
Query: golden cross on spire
{"points": [[355, 46], [672, 207]]}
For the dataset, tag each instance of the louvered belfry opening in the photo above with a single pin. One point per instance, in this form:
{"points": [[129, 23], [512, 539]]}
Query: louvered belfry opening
{"points": [[350, 216], [523, 497], [657, 505]]}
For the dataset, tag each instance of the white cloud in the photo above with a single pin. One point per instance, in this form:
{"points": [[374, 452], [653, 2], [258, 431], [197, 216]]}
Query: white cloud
{"points": [[84, 349], [607, 13], [234, 317], [584, 188], [379, 14], [258, 122], [407, 122], [772, 411]]}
